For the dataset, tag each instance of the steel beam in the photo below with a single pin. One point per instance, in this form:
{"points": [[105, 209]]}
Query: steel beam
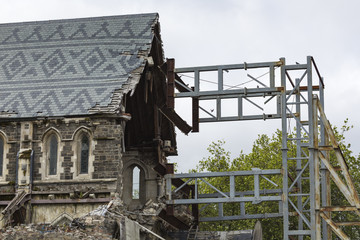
{"points": [[224, 174], [308, 194], [224, 200], [244, 66], [241, 217]]}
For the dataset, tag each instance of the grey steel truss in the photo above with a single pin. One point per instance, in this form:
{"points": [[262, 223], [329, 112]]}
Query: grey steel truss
{"points": [[304, 197]]}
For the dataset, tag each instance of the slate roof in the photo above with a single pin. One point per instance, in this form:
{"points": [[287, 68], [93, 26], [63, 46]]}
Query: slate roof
{"points": [[71, 67]]}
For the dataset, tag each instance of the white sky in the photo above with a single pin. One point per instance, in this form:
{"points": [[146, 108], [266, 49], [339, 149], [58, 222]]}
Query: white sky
{"points": [[209, 32]]}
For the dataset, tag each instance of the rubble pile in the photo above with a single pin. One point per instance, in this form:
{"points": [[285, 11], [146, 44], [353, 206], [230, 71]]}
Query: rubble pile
{"points": [[182, 213], [96, 225], [110, 221], [146, 216], [42, 231]]}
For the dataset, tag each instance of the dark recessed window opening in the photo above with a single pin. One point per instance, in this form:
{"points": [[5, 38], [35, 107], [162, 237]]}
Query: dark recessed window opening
{"points": [[53, 155], [84, 158]]}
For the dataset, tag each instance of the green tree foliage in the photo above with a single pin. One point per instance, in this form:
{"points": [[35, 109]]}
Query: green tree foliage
{"points": [[265, 154]]}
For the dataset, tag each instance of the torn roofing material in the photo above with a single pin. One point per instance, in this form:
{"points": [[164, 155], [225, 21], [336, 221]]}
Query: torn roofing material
{"points": [[72, 67]]}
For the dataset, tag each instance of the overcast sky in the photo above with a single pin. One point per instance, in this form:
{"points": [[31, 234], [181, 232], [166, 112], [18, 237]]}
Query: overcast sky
{"points": [[209, 32]]}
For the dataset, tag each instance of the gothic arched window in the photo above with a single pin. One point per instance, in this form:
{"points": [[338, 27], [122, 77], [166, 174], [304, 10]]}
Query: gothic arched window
{"points": [[84, 155], [53, 154], [136, 183]]}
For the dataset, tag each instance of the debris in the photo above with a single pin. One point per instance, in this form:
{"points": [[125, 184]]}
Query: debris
{"points": [[111, 221], [77, 224], [42, 231]]}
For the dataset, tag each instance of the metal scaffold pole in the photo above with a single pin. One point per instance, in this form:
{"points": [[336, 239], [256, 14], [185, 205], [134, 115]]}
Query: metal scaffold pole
{"points": [[304, 199]]}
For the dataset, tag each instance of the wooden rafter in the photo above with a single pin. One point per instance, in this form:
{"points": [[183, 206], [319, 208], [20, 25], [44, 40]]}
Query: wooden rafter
{"points": [[346, 187]]}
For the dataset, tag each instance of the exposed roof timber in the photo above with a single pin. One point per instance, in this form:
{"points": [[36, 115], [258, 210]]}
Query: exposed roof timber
{"points": [[176, 119], [179, 83]]}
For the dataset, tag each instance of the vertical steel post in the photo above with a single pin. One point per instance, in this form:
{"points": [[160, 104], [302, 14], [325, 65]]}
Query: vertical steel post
{"points": [[196, 188], [220, 89], [284, 150], [256, 187], [316, 169], [221, 209], [272, 76], [240, 107], [220, 80], [298, 156], [232, 186], [242, 206], [311, 150], [197, 81], [325, 176], [218, 108]]}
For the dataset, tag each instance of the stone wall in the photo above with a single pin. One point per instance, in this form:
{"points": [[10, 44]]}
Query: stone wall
{"points": [[105, 150], [10, 132]]}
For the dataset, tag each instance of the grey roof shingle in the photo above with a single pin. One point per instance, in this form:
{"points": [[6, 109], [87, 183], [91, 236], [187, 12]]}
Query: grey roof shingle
{"points": [[71, 67]]}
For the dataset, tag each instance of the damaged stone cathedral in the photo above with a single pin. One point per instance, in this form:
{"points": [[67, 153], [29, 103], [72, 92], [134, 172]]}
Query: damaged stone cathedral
{"points": [[86, 116]]}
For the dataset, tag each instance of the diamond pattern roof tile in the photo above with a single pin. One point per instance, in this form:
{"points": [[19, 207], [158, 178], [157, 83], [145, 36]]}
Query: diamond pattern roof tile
{"points": [[70, 67]]}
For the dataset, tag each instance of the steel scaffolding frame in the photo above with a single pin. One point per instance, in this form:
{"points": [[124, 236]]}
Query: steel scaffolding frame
{"points": [[305, 196]]}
